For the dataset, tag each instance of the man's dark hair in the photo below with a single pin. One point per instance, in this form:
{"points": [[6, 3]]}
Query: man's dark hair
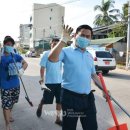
{"points": [[85, 26], [54, 40], [8, 39]]}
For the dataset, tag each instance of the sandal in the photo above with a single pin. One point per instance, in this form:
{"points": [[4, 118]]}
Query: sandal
{"points": [[39, 112], [58, 122]]}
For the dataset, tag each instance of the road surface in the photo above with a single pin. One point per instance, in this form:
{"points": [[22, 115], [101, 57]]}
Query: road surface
{"points": [[117, 81]]}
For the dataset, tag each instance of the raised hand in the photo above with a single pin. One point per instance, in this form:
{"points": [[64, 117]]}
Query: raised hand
{"points": [[66, 34]]}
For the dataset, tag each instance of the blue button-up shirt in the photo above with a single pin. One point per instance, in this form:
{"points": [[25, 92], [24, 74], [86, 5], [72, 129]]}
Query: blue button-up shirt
{"points": [[77, 69], [52, 70]]}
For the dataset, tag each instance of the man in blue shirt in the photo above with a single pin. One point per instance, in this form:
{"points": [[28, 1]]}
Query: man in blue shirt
{"points": [[77, 98], [10, 85], [52, 80]]}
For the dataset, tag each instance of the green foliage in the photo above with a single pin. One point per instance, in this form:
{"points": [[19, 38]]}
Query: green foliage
{"points": [[22, 51], [106, 16], [125, 12], [119, 31]]}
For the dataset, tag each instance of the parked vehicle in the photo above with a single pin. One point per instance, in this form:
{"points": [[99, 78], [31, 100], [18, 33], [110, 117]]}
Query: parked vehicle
{"points": [[27, 54], [31, 54], [103, 60]]}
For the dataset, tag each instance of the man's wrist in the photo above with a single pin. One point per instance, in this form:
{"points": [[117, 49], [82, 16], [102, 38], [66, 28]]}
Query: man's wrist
{"points": [[64, 40]]}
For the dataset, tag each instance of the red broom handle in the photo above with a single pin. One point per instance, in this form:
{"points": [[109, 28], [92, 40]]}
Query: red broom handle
{"points": [[108, 99]]}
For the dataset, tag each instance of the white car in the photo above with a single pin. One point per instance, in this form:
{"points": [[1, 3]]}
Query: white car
{"points": [[30, 54], [33, 54], [103, 60]]}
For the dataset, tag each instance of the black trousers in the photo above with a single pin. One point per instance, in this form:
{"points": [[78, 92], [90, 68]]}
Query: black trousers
{"points": [[76, 106]]}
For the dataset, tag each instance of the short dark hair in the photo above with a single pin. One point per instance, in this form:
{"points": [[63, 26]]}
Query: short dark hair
{"points": [[54, 40], [85, 26], [8, 39]]}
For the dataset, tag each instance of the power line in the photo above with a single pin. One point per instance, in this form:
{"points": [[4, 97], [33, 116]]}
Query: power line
{"points": [[57, 4]]}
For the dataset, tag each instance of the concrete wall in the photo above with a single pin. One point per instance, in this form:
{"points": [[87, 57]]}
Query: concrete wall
{"points": [[24, 34], [120, 47], [47, 20]]}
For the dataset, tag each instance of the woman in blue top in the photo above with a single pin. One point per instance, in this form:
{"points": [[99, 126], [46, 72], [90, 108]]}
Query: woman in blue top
{"points": [[10, 85]]}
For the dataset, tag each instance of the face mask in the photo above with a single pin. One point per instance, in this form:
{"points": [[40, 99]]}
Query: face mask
{"points": [[8, 49], [82, 42]]}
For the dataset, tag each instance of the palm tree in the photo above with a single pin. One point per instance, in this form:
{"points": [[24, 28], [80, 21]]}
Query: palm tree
{"points": [[106, 17], [121, 28], [124, 15]]}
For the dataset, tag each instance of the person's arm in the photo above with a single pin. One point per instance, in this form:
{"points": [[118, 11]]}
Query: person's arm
{"points": [[43, 63], [99, 85], [55, 52], [24, 64], [97, 81], [42, 70], [19, 59]]}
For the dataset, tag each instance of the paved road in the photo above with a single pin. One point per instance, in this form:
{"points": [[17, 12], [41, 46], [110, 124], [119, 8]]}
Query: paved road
{"points": [[118, 82]]}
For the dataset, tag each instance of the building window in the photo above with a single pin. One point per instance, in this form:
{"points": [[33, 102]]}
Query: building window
{"points": [[30, 35], [62, 20], [51, 9], [31, 19], [50, 27], [50, 18]]}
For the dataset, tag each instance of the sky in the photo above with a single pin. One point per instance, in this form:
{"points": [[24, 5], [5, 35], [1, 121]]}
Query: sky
{"points": [[16, 12]]}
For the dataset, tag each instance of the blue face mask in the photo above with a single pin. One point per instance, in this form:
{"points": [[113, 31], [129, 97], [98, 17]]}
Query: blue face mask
{"points": [[82, 42], [8, 49]]}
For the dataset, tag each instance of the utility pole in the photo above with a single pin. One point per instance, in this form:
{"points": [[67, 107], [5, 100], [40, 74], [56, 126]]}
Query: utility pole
{"points": [[128, 36], [44, 38], [44, 33]]}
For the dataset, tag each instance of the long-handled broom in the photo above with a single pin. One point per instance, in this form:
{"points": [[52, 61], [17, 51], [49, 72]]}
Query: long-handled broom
{"points": [[109, 98], [26, 95]]}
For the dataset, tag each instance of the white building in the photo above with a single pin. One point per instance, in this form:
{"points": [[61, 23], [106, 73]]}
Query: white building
{"points": [[47, 21], [24, 35]]}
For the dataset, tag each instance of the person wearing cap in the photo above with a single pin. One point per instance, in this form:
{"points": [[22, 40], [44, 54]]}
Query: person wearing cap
{"points": [[52, 80], [10, 84], [77, 98]]}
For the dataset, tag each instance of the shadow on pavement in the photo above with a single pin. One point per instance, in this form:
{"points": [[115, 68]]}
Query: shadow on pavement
{"points": [[118, 76]]}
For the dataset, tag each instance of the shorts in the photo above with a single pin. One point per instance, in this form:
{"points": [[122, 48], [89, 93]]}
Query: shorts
{"points": [[48, 97], [9, 97]]}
